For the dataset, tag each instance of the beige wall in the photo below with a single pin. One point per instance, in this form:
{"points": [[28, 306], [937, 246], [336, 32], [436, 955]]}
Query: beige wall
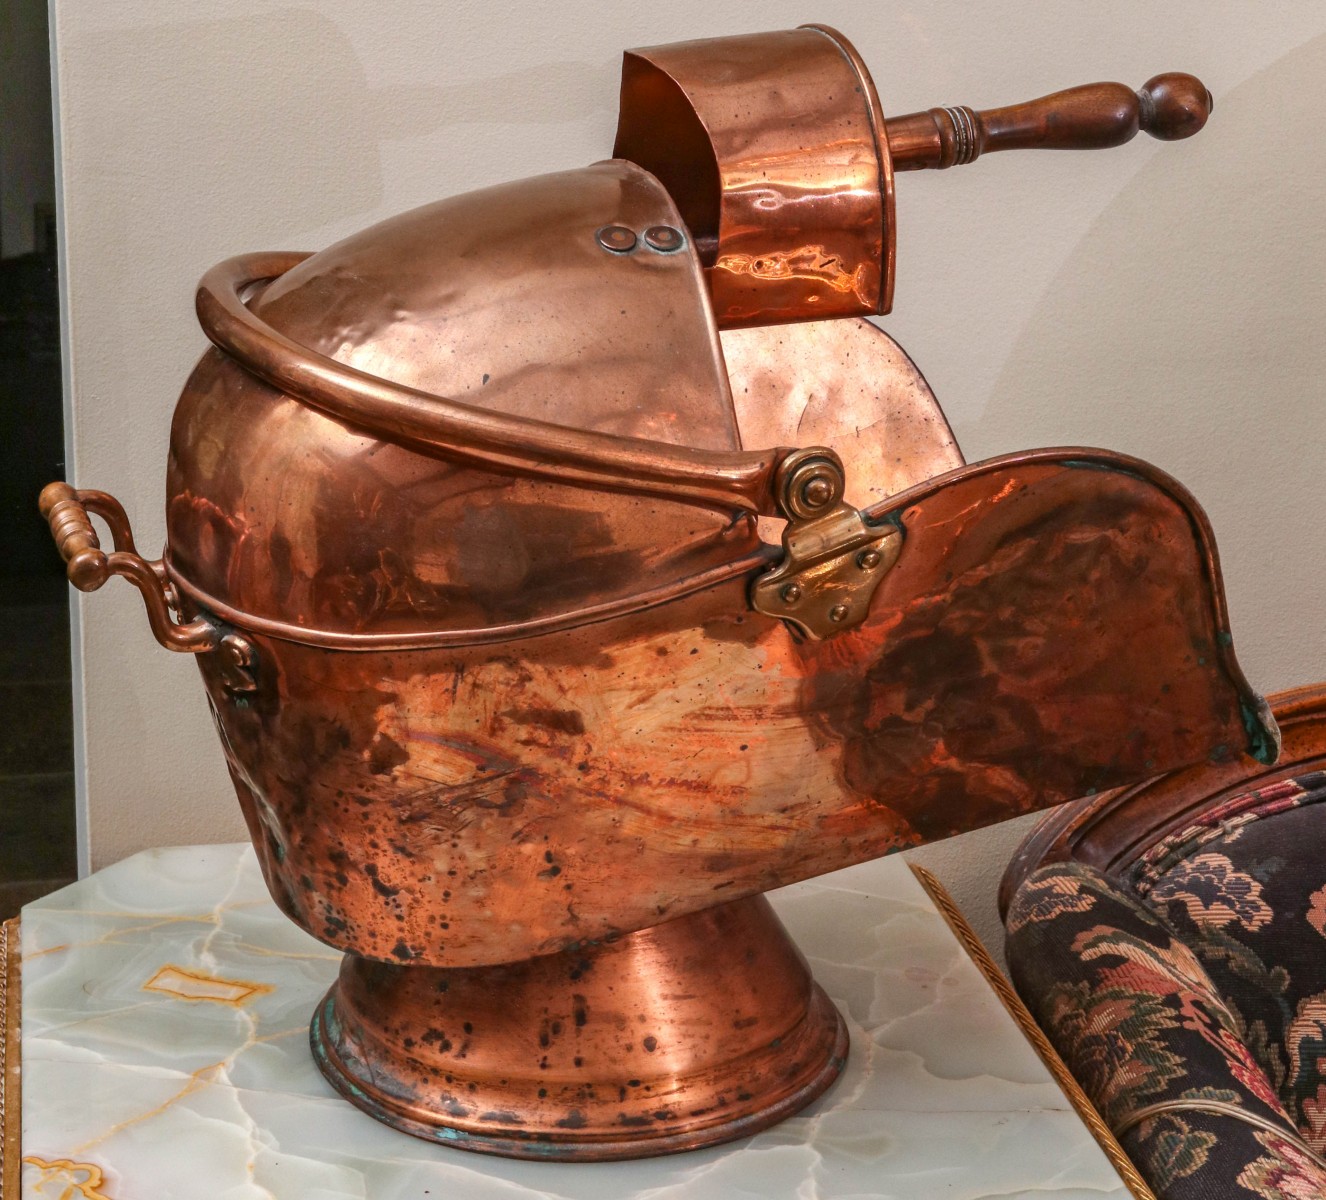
{"points": [[1160, 300]]}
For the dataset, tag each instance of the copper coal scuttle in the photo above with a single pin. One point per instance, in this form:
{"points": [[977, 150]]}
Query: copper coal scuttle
{"points": [[568, 563]]}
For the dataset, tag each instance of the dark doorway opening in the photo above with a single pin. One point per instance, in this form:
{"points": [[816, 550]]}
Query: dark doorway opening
{"points": [[37, 837]]}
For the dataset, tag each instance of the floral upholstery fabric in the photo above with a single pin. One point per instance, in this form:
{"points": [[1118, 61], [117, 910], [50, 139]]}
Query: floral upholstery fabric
{"points": [[1199, 978]]}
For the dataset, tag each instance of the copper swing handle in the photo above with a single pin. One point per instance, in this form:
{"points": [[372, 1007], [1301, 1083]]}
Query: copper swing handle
{"points": [[88, 566], [1094, 116], [725, 480]]}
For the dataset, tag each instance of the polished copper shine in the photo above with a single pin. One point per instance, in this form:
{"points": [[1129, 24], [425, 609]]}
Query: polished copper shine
{"points": [[561, 580], [773, 146]]}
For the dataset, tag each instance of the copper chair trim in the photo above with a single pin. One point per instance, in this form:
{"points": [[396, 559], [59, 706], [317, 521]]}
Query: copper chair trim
{"points": [[447, 428]]}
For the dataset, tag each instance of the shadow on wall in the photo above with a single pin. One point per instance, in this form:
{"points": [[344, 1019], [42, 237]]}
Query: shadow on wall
{"points": [[260, 123], [1197, 344], [281, 118]]}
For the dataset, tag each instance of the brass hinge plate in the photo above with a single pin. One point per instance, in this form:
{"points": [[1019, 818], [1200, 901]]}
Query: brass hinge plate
{"points": [[830, 569]]}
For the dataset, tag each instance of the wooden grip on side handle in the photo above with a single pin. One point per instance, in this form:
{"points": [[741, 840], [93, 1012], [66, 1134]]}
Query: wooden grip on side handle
{"points": [[1092, 117], [75, 538]]}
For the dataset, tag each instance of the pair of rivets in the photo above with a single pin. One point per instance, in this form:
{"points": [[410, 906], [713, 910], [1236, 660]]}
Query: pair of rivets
{"points": [[791, 593], [621, 240]]}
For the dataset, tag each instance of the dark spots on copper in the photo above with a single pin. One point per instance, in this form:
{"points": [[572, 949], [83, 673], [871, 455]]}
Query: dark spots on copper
{"points": [[650, 1043], [385, 755], [280, 558], [569, 720], [999, 689], [501, 1117], [574, 1119], [402, 951], [579, 1011], [381, 888]]}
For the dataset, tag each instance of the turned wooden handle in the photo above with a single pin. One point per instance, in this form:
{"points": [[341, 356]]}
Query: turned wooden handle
{"points": [[1091, 117], [75, 538]]}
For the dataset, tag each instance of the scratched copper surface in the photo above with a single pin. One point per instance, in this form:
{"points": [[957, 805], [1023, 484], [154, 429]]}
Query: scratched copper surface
{"points": [[1053, 626]]}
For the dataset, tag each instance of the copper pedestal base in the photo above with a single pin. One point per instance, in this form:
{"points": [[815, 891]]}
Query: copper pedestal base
{"points": [[698, 1031]]}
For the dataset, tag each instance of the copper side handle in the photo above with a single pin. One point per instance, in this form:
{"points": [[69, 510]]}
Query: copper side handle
{"points": [[88, 566], [1092, 117], [740, 481]]}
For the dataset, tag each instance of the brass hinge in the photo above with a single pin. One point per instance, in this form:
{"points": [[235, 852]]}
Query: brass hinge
{"points": [[832, 559]]}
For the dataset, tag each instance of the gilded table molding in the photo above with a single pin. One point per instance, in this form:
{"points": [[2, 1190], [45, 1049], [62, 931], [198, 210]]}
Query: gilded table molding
{"points": [[11, 1125], [999, 984]]}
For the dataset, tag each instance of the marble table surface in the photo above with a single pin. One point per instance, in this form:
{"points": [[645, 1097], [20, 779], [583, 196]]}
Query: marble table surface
{"points": [[165, 1007]]}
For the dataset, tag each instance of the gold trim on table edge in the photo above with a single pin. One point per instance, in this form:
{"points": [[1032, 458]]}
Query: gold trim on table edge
{"points": [[977, 952], [11, 1125]]}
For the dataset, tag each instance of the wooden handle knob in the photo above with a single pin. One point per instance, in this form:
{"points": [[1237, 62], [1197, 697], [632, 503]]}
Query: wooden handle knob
{"points": [[1174, 106], [75, 538], [1092, 117]]}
